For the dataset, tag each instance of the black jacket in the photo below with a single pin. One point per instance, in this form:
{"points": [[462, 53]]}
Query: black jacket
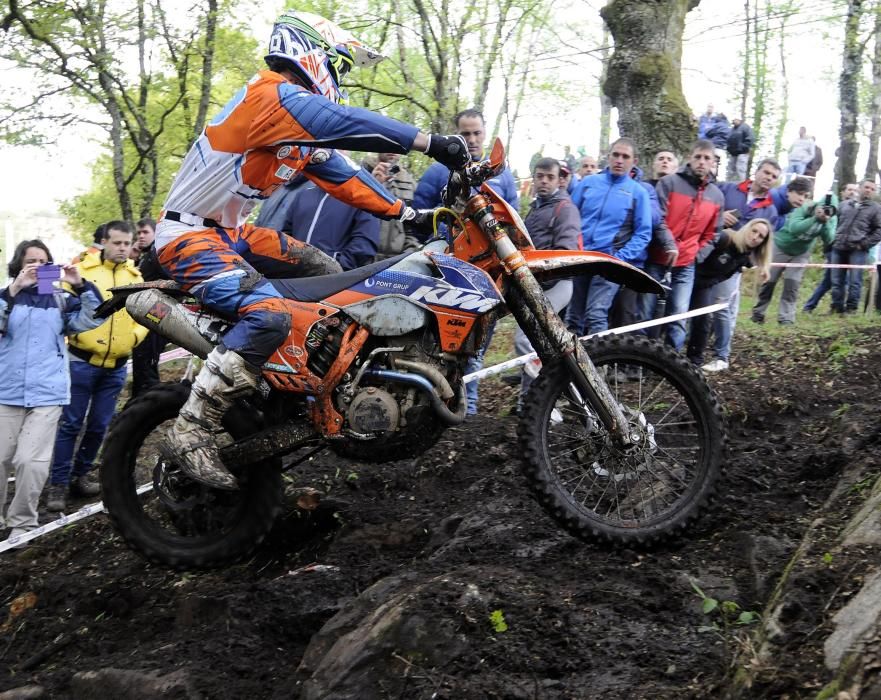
{"points": [[740, 139], [859, 226], [554, 223], [724, 261]]}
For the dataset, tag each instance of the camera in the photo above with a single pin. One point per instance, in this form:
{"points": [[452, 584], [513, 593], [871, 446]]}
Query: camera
{"points": [[394, 170], [829, 209]]}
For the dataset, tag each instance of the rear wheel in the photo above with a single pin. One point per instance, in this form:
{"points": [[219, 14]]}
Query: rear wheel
{"points": [[642, 494], [164, 515]]}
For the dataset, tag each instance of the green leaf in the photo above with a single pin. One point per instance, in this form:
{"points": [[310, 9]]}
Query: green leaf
{"points": [[709, 605], [497, 620], [729, 607], [747, 617]]}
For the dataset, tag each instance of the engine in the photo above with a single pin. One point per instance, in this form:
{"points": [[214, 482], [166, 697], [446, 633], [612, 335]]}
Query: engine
{"points": [[392, 386]]}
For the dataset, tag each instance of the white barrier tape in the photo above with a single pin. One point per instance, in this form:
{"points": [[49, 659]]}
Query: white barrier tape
{"points": [[64, 520], [523, 359], [827, 266], [176, 354]]}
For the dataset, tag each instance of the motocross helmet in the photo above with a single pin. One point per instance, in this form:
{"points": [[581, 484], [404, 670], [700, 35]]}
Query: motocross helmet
{"points": [[318, 52]]}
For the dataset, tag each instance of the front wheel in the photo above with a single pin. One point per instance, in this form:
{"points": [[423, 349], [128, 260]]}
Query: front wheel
{"points": [[166, 516], [640, 494]]}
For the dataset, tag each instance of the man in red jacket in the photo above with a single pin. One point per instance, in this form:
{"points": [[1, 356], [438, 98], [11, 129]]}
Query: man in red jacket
{"points": [[692, 207]]}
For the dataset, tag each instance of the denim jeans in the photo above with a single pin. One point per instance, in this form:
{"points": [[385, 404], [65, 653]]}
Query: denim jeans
{"points": [[677, 301], [736, 170], [878, 287], [473, 365], [599, 302], [576, 311], [93, 390], [722, 322], [847, 285], [797, 167]]}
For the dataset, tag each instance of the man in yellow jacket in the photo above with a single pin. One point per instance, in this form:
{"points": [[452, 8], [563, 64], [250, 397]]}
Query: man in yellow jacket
{"points": [[97, 370]]}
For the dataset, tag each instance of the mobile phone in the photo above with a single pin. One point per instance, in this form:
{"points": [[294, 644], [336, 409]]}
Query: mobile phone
{"points": [[48, 277]]}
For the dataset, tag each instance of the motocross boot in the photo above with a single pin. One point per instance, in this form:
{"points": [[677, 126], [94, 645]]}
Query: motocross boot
{"points": [[224, 377]]}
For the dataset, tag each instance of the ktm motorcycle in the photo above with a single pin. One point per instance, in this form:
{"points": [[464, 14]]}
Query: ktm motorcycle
{"points": [[622, 439]]}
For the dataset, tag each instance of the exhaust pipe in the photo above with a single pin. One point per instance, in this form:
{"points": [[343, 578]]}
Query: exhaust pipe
{"points": [[169, 318]]}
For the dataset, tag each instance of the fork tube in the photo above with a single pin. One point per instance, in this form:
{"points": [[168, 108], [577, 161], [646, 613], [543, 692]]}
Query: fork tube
{"points": [[565, 344]]}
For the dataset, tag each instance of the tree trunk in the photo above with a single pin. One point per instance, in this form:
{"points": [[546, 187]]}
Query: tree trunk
{"points": [[747, 55], [760, 79], [784, 106], [605, 102], [875, 131], [644, 80], [207, 67], [848, 96]]}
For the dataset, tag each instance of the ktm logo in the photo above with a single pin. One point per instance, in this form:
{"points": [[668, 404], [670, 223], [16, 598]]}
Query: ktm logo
{"points": [[455, 322], [453, 297]]}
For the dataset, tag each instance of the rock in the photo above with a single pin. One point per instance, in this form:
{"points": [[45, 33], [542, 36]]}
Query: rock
{"points": [[25, 692], [114, 683], [370, 647], [853, 622], [865, 527]]}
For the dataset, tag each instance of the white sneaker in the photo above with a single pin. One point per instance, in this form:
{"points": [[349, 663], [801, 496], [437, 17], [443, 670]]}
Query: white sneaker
{"points": [[715, 366]]}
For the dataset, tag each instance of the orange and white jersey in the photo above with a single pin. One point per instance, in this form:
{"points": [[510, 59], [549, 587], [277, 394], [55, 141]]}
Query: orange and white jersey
{"points": [[269, 131]]}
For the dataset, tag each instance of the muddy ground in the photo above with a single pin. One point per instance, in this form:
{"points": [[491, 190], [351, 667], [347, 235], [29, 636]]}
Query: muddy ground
{"points": [[456, 532]]}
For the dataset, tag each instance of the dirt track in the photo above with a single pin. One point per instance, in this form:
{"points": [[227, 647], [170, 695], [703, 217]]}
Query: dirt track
{"points": [[457, 532]]}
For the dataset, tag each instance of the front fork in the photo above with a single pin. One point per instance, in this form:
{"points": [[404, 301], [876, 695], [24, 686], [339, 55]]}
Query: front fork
{"points": [[549, 335]]}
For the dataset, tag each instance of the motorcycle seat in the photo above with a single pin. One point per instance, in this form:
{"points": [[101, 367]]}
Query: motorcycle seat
{"points": [[324, 286]]}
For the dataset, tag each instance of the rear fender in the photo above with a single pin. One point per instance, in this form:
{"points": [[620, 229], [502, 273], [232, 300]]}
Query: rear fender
{"points": [[553, 265]]}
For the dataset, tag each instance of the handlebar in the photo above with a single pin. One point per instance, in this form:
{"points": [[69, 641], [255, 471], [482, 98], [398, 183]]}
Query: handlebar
{"points": [[472, 175]]}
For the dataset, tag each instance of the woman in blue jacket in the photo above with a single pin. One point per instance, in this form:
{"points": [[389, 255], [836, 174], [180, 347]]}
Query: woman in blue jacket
{"points": [[35, 382]]}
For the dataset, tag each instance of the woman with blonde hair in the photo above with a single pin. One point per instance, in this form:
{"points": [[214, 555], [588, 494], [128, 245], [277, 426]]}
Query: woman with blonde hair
{"points": [[717, 280]]}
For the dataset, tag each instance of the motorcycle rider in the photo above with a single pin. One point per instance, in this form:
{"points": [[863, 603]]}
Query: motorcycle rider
{"points": [[284, 121]]}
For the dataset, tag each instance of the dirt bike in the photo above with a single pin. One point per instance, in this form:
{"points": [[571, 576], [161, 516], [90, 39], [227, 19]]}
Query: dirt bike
{"points": [[623, 440]]}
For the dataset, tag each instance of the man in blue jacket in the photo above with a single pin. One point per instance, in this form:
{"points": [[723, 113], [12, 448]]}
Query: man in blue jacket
{"points": [[348, 235], [751, 199], [616, 218], [789, 197], [472, 127]]}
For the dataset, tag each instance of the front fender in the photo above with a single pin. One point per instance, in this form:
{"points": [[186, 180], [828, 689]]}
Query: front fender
{"points": [[553, 265]]}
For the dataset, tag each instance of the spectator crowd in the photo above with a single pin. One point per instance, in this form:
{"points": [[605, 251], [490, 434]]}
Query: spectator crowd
{"points": [[678, 220]]}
